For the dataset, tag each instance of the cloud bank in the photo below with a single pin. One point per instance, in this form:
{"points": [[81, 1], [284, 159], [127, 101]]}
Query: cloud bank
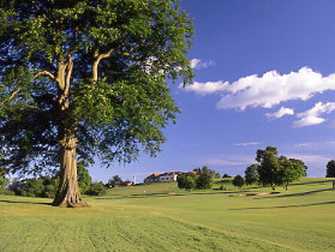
{"points": [[267, 90]]}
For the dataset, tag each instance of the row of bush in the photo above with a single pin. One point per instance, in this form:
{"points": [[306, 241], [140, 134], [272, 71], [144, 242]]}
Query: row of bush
{"points": [[201, 178], [46, 186]]}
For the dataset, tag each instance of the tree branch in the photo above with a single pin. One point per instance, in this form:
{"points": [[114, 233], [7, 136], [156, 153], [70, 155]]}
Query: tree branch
{"points": [[11, 97], [98, 58], [68, 75], [45, 74]]}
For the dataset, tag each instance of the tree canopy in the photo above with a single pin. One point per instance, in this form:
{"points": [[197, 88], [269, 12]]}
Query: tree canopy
{"points": [[276, 170], [251, 174], [331, 169], [87, 78]]}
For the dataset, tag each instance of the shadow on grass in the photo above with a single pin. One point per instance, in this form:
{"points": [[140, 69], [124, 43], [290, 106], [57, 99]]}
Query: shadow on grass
{"points": [[297, 194], [285, 206], [24, 202], [165, 195]]}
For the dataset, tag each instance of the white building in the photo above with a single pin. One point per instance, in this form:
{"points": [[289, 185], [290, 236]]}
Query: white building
{"points": [[162, 177]]}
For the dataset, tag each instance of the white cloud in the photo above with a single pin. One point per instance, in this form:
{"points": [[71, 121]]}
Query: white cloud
{"points": [[199, 64], [281, 113], [267, 90], [313, 115], [246, 144], [206, 88]]}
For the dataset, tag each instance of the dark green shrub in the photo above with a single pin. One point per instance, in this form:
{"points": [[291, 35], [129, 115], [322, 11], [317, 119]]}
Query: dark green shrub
{"points": [[238, 181], [97, 189]]}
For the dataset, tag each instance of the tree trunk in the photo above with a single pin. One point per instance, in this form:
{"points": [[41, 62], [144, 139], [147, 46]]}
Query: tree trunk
{"points": [[68, 193]]}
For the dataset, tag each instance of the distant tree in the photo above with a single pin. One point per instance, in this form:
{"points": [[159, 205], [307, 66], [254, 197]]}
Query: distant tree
{"points": [[97, 189], [205, 177], [301, 163], [268, 166], [251, 174], [35, 187], [181, 181], [331, 169], [238, 181], [116, 180], [3, 180], [290, 170], [275, 171], [217, 175], [226, 176], [186, 181], [84, 178], [87, 78]]}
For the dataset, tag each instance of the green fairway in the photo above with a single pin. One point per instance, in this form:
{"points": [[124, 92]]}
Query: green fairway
{"points": [[163, 218]]}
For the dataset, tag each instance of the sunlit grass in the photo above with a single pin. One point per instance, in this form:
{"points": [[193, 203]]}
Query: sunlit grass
{"points": [[160, 217]]}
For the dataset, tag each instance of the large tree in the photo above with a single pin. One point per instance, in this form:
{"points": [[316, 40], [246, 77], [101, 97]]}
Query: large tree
{"points": [[87, 78], [274, 170], [268, 166]]}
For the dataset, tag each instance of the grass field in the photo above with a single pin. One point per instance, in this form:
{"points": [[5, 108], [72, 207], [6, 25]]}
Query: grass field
{"points": [[163, 218]]}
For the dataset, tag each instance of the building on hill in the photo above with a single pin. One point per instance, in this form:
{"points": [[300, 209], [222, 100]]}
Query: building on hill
{"points": [[162, 177]]}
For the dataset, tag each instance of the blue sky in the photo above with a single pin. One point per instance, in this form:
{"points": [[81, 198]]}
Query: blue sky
{"points": [[263, 77]]}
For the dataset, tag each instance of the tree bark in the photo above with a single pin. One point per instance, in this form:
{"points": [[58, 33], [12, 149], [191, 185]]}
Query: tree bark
{"points": [[68, 193]]}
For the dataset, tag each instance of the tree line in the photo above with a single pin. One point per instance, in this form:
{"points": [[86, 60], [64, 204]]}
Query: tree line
{"points": [[270, 169]]}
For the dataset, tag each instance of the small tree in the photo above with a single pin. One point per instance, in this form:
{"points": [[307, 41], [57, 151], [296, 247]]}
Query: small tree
{"points": [[114, 181], [205, 177], [251, 174], [186, 181], [181, 181], [97, 189], [189, 182], [289, 171], [331, 169], [238, 181]]}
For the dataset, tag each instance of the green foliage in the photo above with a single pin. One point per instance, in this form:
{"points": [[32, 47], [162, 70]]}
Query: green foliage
{"points": [[115, 117], [274, 170], [205, 178], [290, 170], [97, 189], [331, 169], [238, 181], [201, 178], [46, 186], [269, 165], [251, 174], [185, 181], [116, 180], [84, 178], [3, 181], [35, 187]]}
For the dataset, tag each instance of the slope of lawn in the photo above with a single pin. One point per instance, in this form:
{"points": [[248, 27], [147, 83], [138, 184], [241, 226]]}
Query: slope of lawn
{"points": [[161, 217]]}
